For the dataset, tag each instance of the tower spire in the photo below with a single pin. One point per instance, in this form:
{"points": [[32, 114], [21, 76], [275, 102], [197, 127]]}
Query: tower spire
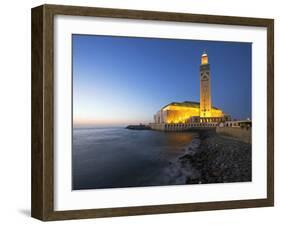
{"points": [[204, 58], [205, 87]]}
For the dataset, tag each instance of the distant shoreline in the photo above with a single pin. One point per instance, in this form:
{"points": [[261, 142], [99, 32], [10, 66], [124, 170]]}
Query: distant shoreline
{"points": [[139, 127]]}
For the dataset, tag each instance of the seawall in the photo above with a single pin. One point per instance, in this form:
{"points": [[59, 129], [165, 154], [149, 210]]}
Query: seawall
{"points": [[178, 127], [243, 134]]}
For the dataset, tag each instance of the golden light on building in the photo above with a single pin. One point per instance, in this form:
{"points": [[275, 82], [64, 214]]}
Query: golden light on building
{"points": [[181, 112], [204, 58], [189, 111], [205, 88]]}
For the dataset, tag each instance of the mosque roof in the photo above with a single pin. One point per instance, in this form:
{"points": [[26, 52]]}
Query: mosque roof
{"points": [[187, 104]]}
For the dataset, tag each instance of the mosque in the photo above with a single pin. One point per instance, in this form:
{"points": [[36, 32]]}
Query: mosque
{"points": [[178, 116]]}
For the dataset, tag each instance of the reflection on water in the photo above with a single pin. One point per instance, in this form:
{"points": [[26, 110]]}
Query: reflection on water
{"points": [[117, 157], [178, 139]]}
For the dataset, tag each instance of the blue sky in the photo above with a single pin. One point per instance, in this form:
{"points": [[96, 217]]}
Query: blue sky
{"points": [[122, 80]]}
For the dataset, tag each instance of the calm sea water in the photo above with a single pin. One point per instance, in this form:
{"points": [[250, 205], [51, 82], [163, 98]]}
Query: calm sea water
{"points": [[118, 157]]}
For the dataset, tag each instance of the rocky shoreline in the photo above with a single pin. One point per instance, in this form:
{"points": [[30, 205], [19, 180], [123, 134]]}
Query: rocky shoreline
{"points": [[217, 159]]}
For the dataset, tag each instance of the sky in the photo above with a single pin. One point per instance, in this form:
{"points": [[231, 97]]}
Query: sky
{"points": [[126, 80]]}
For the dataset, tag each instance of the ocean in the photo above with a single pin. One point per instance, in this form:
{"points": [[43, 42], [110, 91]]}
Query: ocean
{"points": [[118, 157]]}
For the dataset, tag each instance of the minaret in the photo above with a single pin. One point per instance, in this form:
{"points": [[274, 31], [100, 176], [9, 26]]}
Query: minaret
{"points": [[205, 87]]}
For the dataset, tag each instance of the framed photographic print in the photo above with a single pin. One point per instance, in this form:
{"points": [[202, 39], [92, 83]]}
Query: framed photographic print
{"points": [[141, 112]]}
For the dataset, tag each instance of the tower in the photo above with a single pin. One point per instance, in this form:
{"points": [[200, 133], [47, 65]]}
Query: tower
{"points": [[205, 87]]}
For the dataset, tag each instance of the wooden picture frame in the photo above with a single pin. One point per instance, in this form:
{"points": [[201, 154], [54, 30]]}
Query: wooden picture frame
{"points": [[42, 205]]}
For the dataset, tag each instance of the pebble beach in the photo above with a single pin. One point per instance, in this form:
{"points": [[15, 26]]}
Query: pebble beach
{"points": [[217, 159]]}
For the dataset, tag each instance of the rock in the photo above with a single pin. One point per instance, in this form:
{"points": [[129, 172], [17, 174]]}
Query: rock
{"points": [[220, 159]]}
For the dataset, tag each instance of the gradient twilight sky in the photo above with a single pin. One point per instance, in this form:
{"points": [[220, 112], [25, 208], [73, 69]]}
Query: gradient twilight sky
{"points": [[123, 80]]}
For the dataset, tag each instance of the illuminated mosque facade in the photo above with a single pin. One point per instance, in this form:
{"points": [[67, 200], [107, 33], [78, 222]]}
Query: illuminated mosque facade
{"points": [[183, 115]]}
